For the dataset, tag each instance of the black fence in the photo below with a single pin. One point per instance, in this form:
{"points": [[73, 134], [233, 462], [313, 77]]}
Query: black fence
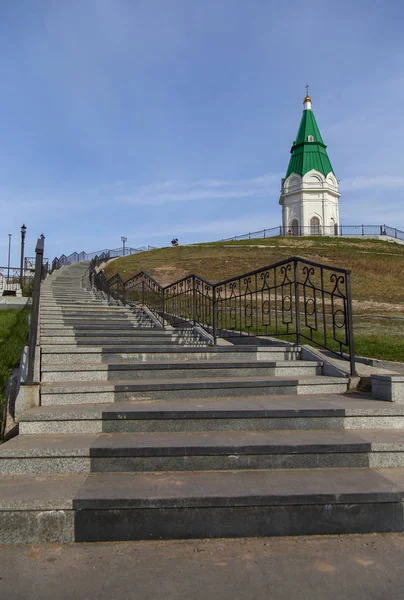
{"points": [[333, 231], [107, 254], [294, 299]]}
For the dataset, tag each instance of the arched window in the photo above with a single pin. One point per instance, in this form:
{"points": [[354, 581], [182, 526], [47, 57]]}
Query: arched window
{"points": [[315, 226], [294, 227], [310, 138]]}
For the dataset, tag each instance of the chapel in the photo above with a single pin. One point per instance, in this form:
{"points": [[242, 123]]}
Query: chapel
{"points": [[309, 191]]}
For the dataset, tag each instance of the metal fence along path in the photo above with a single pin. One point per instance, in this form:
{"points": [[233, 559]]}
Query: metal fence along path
{"points": [[295, 299], [337, 231], [107, 254]]}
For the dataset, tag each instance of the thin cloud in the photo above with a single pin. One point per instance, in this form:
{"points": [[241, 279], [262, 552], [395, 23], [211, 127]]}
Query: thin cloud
{"points": [[209, 189], [379, 183]]}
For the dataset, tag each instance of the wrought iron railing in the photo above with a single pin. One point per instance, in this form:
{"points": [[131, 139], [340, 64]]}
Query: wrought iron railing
{"points": [[333, 231], [107, 254], [294, 299]]}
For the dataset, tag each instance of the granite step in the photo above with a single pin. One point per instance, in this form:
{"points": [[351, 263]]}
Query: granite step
{"points": [[58, 354], [329, 411], [106, 341], [60, 328], [98, 320], [189, 370], [101, 507], [174, 389], [202, 451], [124, 330]]}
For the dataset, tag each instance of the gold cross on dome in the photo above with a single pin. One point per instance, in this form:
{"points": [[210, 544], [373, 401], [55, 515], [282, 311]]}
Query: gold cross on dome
{"points": [[307, 89]]}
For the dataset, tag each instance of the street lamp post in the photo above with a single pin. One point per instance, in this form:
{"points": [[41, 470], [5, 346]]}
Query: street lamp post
{"points": [[123, 240], [23, 232], [9, 252]]}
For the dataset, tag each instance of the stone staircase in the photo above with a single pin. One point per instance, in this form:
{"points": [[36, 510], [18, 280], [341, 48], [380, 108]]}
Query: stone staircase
{"points": [[145, 433]]}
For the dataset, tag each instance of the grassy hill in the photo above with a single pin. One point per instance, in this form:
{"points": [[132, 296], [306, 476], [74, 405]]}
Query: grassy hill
{"points": [[377, 276]]}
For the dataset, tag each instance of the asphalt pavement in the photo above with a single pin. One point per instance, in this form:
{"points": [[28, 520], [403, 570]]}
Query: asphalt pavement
{"points": [[367, 567]]}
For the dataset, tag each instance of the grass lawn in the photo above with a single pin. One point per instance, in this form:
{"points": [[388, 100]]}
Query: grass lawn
{"points": [[13, 338]]}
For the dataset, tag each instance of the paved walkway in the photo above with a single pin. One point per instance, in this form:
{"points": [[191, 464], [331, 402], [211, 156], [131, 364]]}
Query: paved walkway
{"points": [[368, 567]]}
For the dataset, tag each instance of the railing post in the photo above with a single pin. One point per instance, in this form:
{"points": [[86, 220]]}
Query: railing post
{"points": [[193, 300], [350, 324], [143, 293], [164, 307], [33, 332], [363, 230], [124, 294], [214, 308], [297, 300]]}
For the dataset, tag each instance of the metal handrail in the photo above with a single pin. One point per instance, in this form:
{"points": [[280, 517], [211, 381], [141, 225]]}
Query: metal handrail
{"points": [[40, 272], [294, 298]]}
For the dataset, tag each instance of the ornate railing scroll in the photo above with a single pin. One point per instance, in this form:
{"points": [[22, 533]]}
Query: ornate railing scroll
{"points": [[295, 299]]}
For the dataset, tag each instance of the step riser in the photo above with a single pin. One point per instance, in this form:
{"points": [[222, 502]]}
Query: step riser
{"points": [[119, 331], [143, 464], [83, 311], [113, 341], [77, 321], [233, 521], [97, 324], [124, 329], [109, 358], [135, 524], [215, 424], [37, 526], [48, 399], [292, 370], [89, 301]]}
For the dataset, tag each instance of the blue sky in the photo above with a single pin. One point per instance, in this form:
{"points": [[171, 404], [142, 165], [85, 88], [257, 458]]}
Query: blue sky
{"points": [[156, 119]]}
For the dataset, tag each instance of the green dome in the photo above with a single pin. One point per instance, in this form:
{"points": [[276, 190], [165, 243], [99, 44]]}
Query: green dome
{"points": [[309, 151]]}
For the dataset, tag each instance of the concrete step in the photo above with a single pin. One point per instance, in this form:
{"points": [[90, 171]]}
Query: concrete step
{"points": [[75, 294], [95, 318], [82, 331], [113, 340], [189, 370], [351, 411], [202, 451], [81, 310], [90, 302], [175, 389], [101, 507], [58, 354], [59, 328], [90, 320], [121, 330]]}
